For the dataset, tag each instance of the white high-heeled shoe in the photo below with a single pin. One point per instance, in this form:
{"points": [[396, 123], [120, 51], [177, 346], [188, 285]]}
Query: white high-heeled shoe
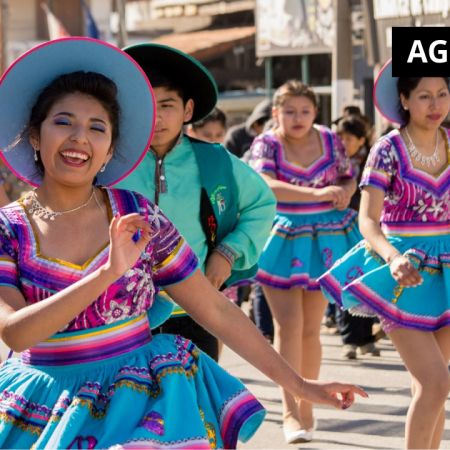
{"points": [[298, 436]]}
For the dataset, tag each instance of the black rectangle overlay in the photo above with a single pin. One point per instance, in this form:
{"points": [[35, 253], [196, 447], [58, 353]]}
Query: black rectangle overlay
{"points": [[421, 52]]}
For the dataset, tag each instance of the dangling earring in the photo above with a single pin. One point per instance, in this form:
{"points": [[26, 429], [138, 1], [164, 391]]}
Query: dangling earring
{"points": [[36, 157], [102, 169]]}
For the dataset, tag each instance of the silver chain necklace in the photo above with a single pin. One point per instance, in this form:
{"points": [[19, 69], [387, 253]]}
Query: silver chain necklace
{"points": [[38, 210], [431, 160]]}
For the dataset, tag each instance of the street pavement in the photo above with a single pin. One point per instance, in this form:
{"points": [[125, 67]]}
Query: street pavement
{"points": [[373, 423]]}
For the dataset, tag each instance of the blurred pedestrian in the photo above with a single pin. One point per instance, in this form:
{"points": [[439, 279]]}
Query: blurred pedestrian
{"points": [[211, 128], [401, 270], [356, 332], [239, 137], [307, 168], [349, 110]]}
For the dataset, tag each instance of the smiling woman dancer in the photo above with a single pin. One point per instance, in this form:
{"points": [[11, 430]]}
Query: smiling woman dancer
{"points": [[401, 272], [79, 268]]}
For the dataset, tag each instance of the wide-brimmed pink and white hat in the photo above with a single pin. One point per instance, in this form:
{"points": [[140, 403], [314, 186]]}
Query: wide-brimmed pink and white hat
{"points": [[29, 74], [385, 94]]}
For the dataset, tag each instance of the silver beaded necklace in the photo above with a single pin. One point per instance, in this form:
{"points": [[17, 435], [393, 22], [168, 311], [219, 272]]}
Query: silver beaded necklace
{"points": [[38, 210], [429, 161]]}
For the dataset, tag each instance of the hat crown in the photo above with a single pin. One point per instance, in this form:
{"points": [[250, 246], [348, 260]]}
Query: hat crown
{"points": [[193, 77]]}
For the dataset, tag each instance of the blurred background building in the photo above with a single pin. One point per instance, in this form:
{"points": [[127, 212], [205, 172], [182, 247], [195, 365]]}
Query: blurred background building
{"points": [[250, 46]]}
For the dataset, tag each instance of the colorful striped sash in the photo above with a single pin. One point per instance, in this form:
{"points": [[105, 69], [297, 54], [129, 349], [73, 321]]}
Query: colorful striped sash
{"points": [[416, 228], [90, 345], [304, 207]]}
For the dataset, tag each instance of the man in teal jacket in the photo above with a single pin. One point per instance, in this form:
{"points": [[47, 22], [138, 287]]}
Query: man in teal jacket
{"points": [[221, 206]]}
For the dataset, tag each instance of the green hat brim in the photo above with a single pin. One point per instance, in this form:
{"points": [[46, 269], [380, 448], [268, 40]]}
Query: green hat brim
{"points": [[194, 78]]}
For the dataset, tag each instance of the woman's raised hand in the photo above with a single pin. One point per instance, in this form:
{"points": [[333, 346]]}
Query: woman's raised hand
{"points": [[339, 395], [124, 251], [404, 272]]}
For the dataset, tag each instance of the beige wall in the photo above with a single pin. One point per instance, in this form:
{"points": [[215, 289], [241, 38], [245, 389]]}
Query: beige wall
{"points": [[26, 23], [20, 26], [21, 20]]}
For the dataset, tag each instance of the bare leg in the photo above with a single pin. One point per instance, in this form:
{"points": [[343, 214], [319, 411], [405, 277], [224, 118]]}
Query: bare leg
{"points": [[423, 358], [287, 312], [314, 305], [219, 347], [443, 340]]}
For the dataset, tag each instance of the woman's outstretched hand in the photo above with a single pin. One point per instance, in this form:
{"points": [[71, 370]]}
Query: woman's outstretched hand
{"points": [[339, 395], [124, 251]]}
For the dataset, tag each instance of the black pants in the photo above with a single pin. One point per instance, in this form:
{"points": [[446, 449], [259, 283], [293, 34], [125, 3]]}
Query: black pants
{"points": [[243, 294], [261, 311], [188, 328], [354, 330]]}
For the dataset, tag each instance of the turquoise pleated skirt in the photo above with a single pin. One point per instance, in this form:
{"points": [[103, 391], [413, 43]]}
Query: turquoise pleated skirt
{"points": [[117, 386], [362, 283], [304, 244]]}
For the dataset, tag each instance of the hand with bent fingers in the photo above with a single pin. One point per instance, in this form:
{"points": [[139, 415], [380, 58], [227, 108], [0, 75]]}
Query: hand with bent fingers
{"points": [[404, 272], [339, 395], [123, 250], [342, 201], [335, 194]]}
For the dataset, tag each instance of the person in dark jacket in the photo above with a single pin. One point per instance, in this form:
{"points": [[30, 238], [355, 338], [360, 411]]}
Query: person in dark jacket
{"points": [[239, 137]]}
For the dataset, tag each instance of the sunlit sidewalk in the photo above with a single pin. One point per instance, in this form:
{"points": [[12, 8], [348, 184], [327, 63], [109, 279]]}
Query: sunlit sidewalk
{"points": [[373, 423]]}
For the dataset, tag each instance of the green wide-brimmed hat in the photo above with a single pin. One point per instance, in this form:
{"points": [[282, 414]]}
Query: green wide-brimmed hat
{"points": [[195, 79]]}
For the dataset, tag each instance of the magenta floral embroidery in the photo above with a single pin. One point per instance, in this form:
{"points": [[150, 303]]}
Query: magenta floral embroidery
{"points": [[296, 262], [116, 312], [154, 422], [81, 442], [430, 208], [327, 255], [140, 281], [353, 273]]}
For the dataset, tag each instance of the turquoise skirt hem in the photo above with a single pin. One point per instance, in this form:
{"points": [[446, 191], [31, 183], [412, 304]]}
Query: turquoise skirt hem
{"points": [[165, 394], [301, 247], [362, 283]]}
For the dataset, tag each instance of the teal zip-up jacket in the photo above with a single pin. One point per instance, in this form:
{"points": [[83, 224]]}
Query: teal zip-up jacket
{"points": [[173, 183]]}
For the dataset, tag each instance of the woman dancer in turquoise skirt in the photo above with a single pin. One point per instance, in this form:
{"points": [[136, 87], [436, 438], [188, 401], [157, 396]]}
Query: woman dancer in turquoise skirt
{"points": [[81, 264], [311, 176], [401, 271]]}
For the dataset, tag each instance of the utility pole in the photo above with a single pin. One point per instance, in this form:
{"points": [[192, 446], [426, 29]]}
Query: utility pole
{"points": [[122, 32], [3, 28], [341, 66], [268, 76]]}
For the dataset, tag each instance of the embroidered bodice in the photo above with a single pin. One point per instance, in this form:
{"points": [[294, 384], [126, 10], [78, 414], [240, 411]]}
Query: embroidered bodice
{"points": [[412, 195], [167, 259], [268, 157]]}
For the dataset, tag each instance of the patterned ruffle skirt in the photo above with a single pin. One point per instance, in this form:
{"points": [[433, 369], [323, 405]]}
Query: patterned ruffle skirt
{"points": [[117, 386], [361, 281], [303, 244]]}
